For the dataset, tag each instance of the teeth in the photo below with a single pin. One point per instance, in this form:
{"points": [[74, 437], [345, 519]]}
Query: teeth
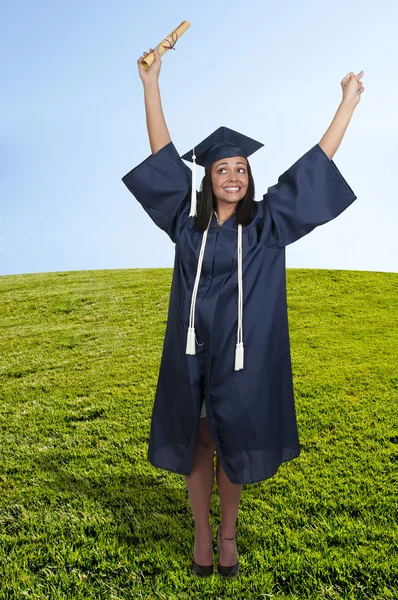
{"points": [[232, 189]]}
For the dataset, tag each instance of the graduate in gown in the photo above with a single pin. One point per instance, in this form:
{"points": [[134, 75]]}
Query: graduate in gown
{"points": [[225, 379]]}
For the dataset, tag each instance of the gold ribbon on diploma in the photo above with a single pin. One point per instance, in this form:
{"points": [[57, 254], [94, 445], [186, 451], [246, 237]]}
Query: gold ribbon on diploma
{"points": [[167, 43]]}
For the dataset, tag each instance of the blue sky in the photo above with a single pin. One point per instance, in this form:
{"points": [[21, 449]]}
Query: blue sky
{"points": [[73, 120]]}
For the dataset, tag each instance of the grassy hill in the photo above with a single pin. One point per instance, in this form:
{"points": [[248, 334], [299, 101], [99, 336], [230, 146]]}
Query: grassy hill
{"points": [[83, 514]]}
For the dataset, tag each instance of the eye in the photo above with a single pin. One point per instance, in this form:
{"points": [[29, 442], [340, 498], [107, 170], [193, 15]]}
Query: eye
{"points": [[221, 169]]}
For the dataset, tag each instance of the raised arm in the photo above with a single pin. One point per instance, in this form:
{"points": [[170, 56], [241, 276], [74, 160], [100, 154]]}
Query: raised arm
{"points": [[352, 90], [162, 182], [156, 124]]}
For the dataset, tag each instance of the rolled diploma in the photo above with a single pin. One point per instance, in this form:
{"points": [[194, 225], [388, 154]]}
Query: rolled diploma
{"points": [[165, 44]]}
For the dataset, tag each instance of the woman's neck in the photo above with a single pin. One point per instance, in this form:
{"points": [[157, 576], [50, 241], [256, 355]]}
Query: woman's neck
{"points": [[225, 211]]}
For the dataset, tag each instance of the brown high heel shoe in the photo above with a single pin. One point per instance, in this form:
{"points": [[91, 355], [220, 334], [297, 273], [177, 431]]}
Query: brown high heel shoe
{"points": [[226, 571]]}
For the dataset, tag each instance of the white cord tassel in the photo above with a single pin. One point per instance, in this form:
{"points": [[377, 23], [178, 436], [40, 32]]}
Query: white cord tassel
{"points": [[239, 357], [193, 191], [191, 349], [239, 345], [191, 341]]}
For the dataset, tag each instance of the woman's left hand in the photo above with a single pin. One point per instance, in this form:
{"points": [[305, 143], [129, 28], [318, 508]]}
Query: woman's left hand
{"points": [[352, 88]]}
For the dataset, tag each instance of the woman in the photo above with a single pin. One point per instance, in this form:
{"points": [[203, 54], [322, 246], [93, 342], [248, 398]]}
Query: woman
{"points": [[224, 387]]}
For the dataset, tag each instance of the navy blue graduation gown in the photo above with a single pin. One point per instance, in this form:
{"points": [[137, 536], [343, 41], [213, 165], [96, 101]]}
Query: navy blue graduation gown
{"points": [[251, 412]]}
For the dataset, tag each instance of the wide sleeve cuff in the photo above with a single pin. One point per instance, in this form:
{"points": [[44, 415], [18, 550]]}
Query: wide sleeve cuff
{"points": [[310, 193], [161, 184]]}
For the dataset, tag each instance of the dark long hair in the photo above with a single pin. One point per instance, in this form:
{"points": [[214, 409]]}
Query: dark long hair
{"points": [[206, 202]]}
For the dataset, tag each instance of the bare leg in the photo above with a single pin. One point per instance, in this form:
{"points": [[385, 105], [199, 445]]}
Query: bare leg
{"points": [[229, 499], [200, 487]]}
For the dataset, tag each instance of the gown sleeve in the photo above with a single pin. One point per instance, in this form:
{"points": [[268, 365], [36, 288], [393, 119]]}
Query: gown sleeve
{"points": [[310, 193], [161, 184]]}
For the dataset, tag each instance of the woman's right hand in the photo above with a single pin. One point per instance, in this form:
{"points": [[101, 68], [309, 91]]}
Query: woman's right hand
{"points": [[153, 72]]}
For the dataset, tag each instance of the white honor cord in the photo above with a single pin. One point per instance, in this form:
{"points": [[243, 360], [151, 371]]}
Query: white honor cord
{"points": [[239, 344], [190, 349]]}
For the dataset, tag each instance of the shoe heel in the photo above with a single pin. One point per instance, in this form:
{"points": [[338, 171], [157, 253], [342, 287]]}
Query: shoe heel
{"points": [[231, 571]]}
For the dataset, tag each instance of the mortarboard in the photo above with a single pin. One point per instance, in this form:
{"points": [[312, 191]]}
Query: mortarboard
{"points": [[222, 143]]}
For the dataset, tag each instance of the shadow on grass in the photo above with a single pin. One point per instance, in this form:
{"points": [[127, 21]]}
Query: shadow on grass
{"points": [[145, 509]]}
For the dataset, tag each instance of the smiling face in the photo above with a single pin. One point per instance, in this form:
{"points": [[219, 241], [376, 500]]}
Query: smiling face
{"points": [[230, 179]]}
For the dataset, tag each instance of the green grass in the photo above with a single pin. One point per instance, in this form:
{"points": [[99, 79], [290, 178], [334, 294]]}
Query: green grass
{"points": [[83, 514]]}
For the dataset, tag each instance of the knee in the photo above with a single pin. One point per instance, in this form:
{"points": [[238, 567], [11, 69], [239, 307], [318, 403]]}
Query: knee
{"points": [[205, 443], [204, 440]]}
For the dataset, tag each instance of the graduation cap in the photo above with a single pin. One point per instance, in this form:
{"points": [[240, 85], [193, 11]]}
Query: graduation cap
{"points": [[222, 143]]}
